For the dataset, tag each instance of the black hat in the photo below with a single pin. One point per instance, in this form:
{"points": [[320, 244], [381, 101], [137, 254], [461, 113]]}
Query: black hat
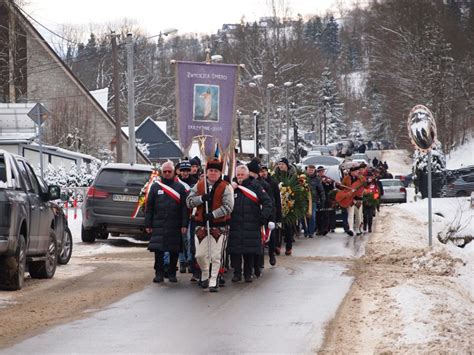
{"points": [[284, 160], [263, 166], [254, 166], [185, 165], [320, 168], [214, 163], [355, 168], [195, 161]]}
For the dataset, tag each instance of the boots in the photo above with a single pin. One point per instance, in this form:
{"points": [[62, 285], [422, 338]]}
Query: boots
{"points": [[182, 267], [272, 259], [158, 278]]}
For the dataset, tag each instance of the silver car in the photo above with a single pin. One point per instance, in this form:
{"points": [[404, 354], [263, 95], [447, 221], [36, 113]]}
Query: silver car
{"points": [[393, 191], [461, 186]]}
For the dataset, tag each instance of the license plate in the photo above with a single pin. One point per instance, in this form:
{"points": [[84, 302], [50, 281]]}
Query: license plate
{"points": [[125, 198]]}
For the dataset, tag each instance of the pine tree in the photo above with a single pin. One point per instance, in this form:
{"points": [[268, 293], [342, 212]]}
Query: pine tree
{"points": [[330, 42], [380, 127]]}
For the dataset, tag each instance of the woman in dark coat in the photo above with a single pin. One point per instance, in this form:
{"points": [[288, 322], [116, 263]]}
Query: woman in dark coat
{"points": [[252, 209], [166, 218]]}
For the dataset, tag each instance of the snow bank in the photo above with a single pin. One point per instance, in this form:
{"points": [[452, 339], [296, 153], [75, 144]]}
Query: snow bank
{"points": [[462, 156]]}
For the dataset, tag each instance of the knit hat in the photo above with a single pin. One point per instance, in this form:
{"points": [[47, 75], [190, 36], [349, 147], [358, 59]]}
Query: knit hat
{"points": [[195, 161], [254, 166], [284, 160], [185, 165], [320, 168], [214, 163]]}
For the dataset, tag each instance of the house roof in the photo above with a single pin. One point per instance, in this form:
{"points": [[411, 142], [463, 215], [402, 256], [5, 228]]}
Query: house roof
{"points": [[34, 32], [14, 120]]}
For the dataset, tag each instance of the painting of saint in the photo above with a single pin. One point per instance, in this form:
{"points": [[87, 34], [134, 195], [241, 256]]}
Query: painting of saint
{"points": [[206, 103]]}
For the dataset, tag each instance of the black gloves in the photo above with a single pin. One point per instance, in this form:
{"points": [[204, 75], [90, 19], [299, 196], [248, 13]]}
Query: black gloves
{"points": [[208, 216], [206, 197]]}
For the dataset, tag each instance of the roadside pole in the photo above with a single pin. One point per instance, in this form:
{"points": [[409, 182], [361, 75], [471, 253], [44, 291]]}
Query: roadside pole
{"points": [[131, 101], [430, 220]]}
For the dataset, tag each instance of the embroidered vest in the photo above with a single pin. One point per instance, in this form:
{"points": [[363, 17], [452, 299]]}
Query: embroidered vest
{"points": [[217, 193]]}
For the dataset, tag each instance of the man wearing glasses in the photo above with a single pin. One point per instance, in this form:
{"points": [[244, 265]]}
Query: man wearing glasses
{"points": [[214, 202], [166, 219]]}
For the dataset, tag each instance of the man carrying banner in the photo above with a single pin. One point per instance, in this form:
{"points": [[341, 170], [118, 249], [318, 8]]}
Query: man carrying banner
{"points": [[166, 219], [214, 201]]}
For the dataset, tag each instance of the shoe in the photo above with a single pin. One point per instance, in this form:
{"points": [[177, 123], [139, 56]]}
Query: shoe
{"points": [[370, 230], [158, 279], [311, 236], [359, 233], [221, 282], [324, 233], [332, 230], [194, 279], [350, 233], [182, 267], [272, 259], [257, 273], [237, 278], [172, 278], [248, 279], [288, 252], [214, 289], [277, 251], [205, 283], [190, 269]]}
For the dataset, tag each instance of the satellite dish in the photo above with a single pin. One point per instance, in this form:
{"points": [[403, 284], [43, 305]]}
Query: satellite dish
{"points": [[421, 127]]}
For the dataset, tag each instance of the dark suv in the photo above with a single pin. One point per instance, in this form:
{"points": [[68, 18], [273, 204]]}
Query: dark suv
{"points": [[111, 201]]}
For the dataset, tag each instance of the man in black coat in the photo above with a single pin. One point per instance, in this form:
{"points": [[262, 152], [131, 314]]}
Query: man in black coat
{"points": [[166, 219], [274, 193], [252, 209]]}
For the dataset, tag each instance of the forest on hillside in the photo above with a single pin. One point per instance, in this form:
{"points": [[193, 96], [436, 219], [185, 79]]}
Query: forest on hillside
{"points": [[361, 70]]}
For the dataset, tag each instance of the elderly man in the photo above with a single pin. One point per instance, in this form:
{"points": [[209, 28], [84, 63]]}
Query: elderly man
{"points": [[252, 209], [166, 219], [214, 201]]}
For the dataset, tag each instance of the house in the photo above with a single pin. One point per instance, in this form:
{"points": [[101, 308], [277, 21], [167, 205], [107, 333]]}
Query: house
{"points": [[160, 146], [17, 134], [32, 72]]}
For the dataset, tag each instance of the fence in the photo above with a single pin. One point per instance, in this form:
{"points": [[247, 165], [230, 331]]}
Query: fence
{"points": [[71, 199]]}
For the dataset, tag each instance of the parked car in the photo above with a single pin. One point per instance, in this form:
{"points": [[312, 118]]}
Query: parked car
{"points": [[461, 186], [28, 239], [393, 191], [111, 201], [360, 157], [324, 160], [406, 179]]}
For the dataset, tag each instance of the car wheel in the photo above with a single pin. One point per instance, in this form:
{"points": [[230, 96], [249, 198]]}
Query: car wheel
{"points": [[88, 235], [66, 250], [12, 268], [45, 269]]}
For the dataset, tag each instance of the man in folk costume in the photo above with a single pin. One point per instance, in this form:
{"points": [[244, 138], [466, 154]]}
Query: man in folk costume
{"points": [[274, 193], [354, 212], [252, 210], [166, 218], [210, 244]]}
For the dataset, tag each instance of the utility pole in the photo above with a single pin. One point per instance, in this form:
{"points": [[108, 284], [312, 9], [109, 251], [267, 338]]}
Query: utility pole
{"points": [[11, 57], [295, 136], [131, 100], [267, 129], [239, 130], [287, 114], [118, 128], [255, 118]]}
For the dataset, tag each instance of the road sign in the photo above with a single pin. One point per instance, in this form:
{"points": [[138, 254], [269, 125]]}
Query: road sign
{"points": [[38, 114]]}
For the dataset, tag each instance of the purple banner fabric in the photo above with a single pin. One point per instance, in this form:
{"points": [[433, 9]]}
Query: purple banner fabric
{"points": [[205, 97]]}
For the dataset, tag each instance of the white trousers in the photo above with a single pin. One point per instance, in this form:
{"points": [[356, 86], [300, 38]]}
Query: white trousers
{"points": [[210, 252], [355, 218]]}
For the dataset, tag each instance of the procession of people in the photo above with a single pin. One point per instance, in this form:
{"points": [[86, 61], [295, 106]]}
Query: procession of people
{"points": [[215, 224]]}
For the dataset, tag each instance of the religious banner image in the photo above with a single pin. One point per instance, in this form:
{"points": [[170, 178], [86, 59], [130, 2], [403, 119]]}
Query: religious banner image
{"points": [[206, 103], [206, 97]]}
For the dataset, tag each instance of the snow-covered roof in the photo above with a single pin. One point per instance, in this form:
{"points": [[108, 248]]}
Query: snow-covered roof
{"points": [[14, 120], [101, 96], [62, 151], [161, 125]]}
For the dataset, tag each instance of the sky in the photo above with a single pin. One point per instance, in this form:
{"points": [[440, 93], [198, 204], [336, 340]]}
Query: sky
{"points": [[158, 15]]}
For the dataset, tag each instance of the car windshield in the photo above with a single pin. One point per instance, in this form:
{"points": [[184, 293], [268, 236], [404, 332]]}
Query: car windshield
{"points": [[391, 183], [113, 177], [321, 160]]}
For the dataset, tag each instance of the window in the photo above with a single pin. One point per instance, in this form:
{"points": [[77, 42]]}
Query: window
{"points": [[24, 174], [111, 177], [38, 185]]}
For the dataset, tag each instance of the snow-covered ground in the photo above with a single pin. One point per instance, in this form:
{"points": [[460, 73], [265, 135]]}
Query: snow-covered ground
{"points": [[462, 156]]}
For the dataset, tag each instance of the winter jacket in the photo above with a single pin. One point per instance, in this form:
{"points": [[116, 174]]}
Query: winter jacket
{"points": [[247, 218], [268, 190], [276, 198], [317, 190], [166, 216]]}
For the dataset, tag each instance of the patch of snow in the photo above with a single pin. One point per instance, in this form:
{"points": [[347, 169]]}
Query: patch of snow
{"points": [[461, 156]]}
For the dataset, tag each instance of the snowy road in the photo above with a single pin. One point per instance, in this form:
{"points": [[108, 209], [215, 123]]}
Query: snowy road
{"points": [[284, 311]]}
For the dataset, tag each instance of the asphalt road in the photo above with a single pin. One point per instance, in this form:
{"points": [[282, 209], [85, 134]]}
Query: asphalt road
{"points": [[285, 311]]}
